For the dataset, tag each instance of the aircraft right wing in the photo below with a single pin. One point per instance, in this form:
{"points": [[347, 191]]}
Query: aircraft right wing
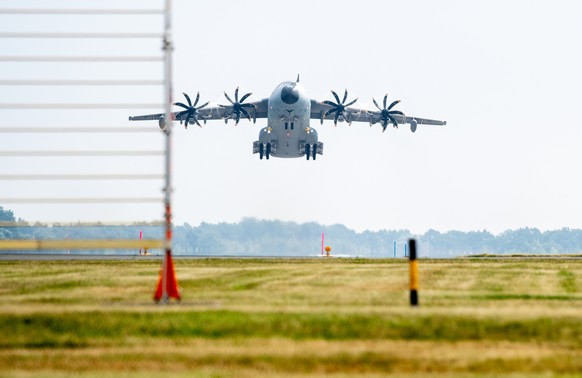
{"points": [[191, 114]]}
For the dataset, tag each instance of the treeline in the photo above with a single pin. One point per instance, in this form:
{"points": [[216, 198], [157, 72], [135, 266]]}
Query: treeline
{"points": [[277, 238], [252, 237]]}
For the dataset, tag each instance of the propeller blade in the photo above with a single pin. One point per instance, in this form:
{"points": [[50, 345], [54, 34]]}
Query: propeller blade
{"points": [[351, 103], [375, 103], [198, 123], [237, 119], [393, 104], [182, 105], [187, 98], [336, 97], [188, 119], [248, 106], [243, 111], [245, 97], [228, 98], [396, 112], [329, 112], [203, 106], [197, 98], [393, 120], [337, 114], [385, 100], [345, 96], [236, 94], [330, 103]]}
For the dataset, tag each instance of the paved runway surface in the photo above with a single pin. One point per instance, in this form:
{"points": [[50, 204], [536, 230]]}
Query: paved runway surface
{"points": [[69, 257]]}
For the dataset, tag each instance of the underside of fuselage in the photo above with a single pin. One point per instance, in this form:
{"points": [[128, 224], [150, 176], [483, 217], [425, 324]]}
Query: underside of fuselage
{"points": [[288, 134]]}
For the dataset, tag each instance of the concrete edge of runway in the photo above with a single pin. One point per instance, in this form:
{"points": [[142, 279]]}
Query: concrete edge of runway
{"points": [[156, 257], [136, 257]]}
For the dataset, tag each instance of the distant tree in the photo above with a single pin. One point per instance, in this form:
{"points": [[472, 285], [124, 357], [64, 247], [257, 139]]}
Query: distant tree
{"points": [[6, 215]]}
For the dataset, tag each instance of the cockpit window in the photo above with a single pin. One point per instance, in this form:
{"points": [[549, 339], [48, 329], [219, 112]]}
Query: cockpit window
{"points": [[289, 95]]}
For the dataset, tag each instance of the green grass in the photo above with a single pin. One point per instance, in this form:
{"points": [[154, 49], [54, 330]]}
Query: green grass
{"points": [[264, 317], [114, 327]]}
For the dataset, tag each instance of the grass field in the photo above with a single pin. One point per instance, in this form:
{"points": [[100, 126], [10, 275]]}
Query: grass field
{"points": [[293, 318]]}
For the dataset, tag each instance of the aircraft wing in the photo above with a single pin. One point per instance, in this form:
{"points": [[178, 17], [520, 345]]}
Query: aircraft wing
{"points": [[258, 109], [374, 117], [321, 111]]}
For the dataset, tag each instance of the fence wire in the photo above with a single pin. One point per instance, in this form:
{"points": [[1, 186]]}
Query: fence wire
{"points": [[68, 158]]}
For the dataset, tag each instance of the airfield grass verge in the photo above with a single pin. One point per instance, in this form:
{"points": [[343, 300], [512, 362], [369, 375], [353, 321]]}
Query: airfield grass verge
{"points": [[268, 317]]}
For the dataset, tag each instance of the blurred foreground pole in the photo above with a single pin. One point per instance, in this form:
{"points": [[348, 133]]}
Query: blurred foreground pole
{"points": [[413, 273], [167, 286]]}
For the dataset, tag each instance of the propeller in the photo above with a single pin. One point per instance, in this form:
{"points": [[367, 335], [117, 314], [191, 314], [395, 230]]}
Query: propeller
{"points": [[339, 107], [191, 111], [238, 108], [386, 114]]}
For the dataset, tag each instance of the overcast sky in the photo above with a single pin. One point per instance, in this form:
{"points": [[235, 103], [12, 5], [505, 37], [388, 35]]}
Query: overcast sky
{"points": [[505, 75]]}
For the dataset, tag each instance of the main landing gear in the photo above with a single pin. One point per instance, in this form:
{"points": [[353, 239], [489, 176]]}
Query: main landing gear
{"points": [[264, 150], [310, 151]]}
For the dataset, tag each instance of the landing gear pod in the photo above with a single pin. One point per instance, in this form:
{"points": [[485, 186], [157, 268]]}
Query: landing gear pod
{"points": [[162, 122]]}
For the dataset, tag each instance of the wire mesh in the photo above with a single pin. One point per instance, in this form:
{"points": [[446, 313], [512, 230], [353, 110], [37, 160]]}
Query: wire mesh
{"points": [[68, 157]]}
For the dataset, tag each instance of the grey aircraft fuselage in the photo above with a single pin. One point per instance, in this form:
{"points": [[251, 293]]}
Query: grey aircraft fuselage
{"points": [[288, 116]]}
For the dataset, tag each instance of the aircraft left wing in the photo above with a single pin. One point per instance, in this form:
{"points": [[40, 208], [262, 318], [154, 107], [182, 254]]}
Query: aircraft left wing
{"points": [[342, 111]]}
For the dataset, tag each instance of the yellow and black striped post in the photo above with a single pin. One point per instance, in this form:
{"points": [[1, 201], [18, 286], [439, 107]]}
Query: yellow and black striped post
{"points": [[413, 272]]}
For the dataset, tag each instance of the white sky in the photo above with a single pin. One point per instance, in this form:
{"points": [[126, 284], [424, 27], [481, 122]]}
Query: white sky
{"points": [[504, 75]]}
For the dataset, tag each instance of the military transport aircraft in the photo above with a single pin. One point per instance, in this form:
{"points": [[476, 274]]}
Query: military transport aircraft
{"points": [[288, 111]]}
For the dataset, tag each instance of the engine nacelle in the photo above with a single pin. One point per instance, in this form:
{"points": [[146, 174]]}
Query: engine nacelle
{"points": [[162, 122], [413, 125]]}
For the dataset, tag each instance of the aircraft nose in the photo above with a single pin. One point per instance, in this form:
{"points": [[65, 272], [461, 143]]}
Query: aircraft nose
{"points": [[289, 94]]}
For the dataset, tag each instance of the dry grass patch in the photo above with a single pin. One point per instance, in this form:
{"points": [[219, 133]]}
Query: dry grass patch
{"points": [[287, 318]]}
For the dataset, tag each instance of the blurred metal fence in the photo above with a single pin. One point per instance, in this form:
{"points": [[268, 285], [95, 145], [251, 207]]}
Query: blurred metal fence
{"points": [[71, 168]]}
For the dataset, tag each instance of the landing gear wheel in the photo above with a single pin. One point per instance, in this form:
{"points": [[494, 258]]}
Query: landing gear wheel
{"points": [[261, 151], [268, 151], [314, 151], [307, 151]]}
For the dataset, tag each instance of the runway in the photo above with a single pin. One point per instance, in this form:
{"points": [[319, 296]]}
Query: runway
{"points": [[91, 257], [155, 257]]}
